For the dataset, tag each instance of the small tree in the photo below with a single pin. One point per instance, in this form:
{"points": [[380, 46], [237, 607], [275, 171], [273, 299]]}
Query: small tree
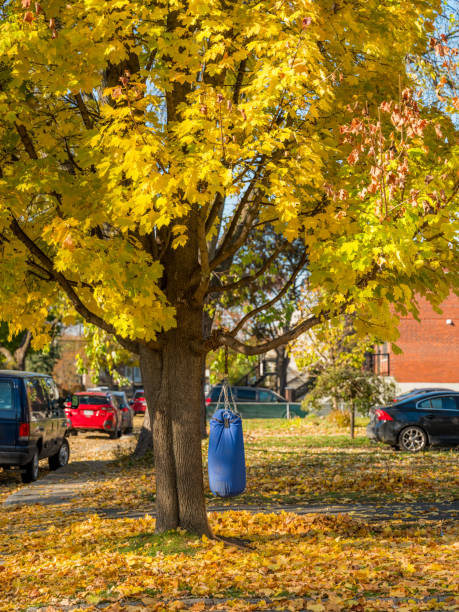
{"points": [[355, 387]]}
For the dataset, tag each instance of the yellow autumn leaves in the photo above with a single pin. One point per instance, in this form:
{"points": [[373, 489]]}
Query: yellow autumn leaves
{"points": [[56, 554]]}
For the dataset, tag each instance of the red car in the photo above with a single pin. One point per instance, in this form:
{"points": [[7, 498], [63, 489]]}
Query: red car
{"points": [[94, 411], [139, 405]]}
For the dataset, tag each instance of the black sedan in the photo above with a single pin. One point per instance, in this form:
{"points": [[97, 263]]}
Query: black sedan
{"points": [[412, 424]]}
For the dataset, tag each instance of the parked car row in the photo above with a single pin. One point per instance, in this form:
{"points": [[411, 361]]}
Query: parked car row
{"points": [[35, 422], [417, 419], [106, 411]]}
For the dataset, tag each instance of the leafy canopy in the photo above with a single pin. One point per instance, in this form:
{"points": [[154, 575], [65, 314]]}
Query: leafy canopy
{"points": [[134, 129]]}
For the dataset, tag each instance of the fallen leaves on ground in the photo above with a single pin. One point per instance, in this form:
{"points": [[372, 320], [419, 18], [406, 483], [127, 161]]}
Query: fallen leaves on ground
{"points": [[56, 555], [333, 560]]}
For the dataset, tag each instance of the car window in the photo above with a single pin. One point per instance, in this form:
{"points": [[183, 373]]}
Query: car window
{"points": [[121, 398], [448, 403], [52, 391], [95, 400], [6, 396], [266, 396], [139, 394], [38, 402], [247, 395], [438, 403]]}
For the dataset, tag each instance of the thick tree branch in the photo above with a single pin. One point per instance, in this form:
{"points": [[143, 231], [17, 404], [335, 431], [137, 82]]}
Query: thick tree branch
{"points": [[226, 339], [239, 80], [215, 211], [21, 352], [203, 273], [26, 140], [88, 122], [67, 287]]}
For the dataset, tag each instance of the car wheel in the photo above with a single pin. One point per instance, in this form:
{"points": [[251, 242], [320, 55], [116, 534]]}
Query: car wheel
{"points": [[61, 458], [413, 439], [30, 469], [115, 434]]}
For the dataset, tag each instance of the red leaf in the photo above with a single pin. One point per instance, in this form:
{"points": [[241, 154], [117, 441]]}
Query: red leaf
{"points": [[353, 157]]}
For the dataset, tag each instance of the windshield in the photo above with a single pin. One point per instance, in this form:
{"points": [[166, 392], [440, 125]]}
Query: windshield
{"points": [[94, 400], [139, 394]]}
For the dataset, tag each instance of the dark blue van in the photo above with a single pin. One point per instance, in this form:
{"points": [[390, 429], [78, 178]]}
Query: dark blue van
{"points": [[32, 423]]}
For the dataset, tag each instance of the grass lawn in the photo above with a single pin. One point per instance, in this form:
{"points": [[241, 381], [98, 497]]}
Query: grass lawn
{"points": [[55, 556]]}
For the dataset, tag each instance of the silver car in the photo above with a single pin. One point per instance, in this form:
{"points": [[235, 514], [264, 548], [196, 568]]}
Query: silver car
{"points": [[126, 410]]}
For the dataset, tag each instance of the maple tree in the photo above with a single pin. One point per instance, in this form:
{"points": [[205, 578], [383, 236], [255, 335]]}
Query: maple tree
{"points": [[143, 143]]}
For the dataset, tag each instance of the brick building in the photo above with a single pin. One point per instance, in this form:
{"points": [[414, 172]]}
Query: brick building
{"points": [[430, 349]]}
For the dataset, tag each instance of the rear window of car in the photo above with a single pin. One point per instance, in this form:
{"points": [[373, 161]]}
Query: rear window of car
{"points": [[248, 395], [139, 394], [267, 396], [94, 400], [6, 396], [438, 403]]}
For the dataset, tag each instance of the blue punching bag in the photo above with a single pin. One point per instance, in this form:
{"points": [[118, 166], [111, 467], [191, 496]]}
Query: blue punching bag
{"points": [[226, 461]]}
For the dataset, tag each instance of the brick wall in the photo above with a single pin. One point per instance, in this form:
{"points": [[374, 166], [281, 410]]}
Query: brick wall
{"points": [[430, 348]]}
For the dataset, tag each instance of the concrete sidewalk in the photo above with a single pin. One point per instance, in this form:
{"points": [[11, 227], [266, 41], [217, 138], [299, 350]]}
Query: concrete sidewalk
{"points": [[64, 486]]}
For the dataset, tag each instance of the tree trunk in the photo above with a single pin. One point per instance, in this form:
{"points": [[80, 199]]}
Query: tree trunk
{"points": [[282, 361], [20, 353], [176, 423], [151, 377], [145, 440], [352, 419]]}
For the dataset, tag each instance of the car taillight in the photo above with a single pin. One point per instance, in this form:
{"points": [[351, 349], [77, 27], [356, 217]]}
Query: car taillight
{"points": [[24, 431], [382, 415], [208, 400], [124, 409]]}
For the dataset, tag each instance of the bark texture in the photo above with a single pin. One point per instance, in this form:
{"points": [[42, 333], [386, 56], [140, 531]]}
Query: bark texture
{"points": [[175, 410], [145, 440], [282, 361], [173, 390]]}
